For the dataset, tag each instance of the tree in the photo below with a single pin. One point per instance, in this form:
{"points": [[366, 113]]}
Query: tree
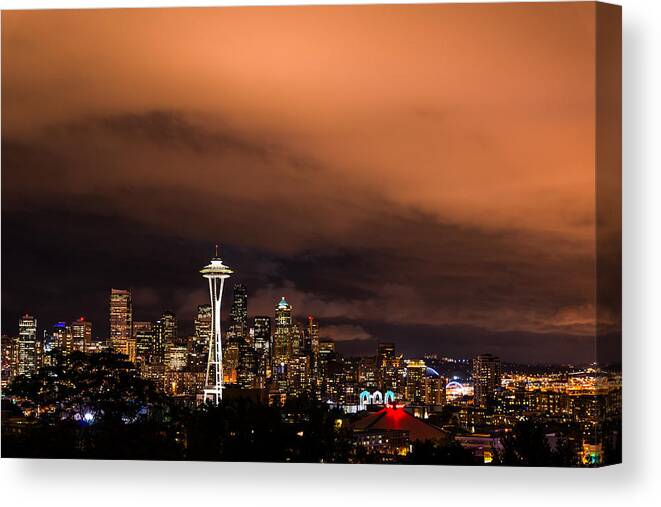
{"points": [[526, 446], [432, 453]]}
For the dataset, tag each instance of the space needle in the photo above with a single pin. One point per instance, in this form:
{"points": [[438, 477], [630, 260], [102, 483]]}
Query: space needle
{"points": [[216, 272]]}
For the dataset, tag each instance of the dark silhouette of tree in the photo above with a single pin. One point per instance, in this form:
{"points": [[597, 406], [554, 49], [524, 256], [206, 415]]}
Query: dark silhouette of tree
{"points": [[90, 405], [526, 445], [432, 453], [93, 386], [565, 453]]}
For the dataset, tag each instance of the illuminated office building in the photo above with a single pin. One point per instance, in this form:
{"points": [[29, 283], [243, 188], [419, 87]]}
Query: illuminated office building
{"points": [[9, 351], [387, 367], [282, 335], [415, 381], [81, 333], [121, 322], [486, 379], [434, 390], [176, 357], [159, 343], [239, 309], [199, 348], [298, 375], [143, 334], [312, 337], [61, 338], [203, 326], [262, 343], [262, 332], [297, 341], [29, 348], [169, 325]]}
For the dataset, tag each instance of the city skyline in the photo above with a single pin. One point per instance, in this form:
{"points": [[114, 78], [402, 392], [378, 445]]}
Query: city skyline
{"points": [[419, 216], [298, 318], [323, 180]]}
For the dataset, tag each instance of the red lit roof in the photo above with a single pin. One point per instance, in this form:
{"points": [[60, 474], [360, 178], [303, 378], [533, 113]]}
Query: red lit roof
{"points": [[397, 419]]}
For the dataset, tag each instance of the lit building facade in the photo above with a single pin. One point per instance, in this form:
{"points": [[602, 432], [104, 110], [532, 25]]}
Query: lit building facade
{"points": [[282, 335], [81, 332], [486, 374], [121, 323], [29, 348]]}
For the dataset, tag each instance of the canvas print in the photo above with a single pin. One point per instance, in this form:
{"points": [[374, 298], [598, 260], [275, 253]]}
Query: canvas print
{"points": [[384, 234]]}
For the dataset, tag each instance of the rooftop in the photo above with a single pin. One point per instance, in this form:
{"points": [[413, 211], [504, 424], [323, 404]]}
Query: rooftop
{"points": [[390, 418]]}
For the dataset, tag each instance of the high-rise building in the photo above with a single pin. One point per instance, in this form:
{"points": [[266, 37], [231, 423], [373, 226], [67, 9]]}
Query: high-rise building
{"points": [[159, 344], [81, 333], [176, 357], [121, 322], [326, 364], [262, 343], [297, 341], [143, 334], [262, 331], [239, 309], [30, 348], [230, 360], [386, 367], [199, 348], [62, 338], [486, 379], [385, 354], [203, 325], [8, 344], [415, 381], [312, 337], [240, 357], [170, 331], [282, 335], [434, 390], [298, 375]]}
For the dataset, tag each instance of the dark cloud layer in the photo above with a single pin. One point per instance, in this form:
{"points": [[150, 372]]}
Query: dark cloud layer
{"points": [[387, 272]]}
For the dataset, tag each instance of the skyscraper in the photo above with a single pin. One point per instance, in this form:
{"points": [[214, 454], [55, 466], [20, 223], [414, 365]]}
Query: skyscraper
{"points": [[239, 310], [62, 338], [262, 331], [282, 335], [199, 352], [170, 331], [30, 349], [312, 337], [81, 333], [121, 323], [203, 325], [159, 343], [143, 334], [486, 378], [386, 368], [262, 344], [415, 381]]}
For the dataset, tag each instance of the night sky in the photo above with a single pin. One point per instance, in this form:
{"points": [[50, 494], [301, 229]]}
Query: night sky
{"points": [[417, 174]]}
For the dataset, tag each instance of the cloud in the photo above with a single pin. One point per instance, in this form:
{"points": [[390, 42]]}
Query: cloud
{"points": [[345, 332], [379, 190]]}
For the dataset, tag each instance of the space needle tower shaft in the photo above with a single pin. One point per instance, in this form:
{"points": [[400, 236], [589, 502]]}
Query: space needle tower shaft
{"points": [[216, 272]]}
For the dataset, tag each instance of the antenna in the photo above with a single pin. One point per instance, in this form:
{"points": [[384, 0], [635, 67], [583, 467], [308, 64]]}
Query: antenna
{"points": [[216, 251]]}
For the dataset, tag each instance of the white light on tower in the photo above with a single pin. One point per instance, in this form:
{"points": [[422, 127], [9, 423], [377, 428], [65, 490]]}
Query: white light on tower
{"points": [[216, 273]]}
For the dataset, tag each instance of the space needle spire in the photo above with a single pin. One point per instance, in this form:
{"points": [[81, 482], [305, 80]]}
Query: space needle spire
{"points": [[216, 272]]}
